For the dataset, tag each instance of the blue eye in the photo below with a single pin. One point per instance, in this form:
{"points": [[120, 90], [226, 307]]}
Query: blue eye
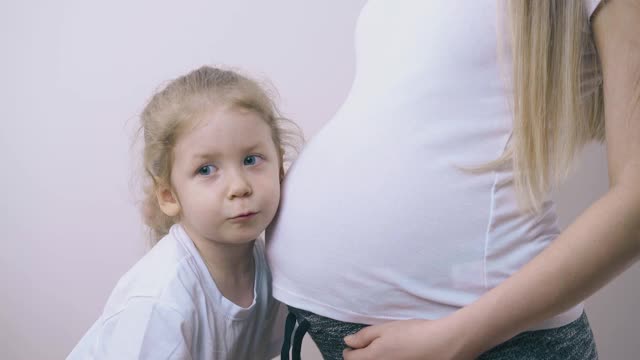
{"points": [[251, 160], [206, 170]]}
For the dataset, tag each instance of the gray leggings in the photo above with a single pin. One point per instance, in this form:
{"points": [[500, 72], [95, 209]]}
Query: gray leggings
{"points": [[573, 341]]}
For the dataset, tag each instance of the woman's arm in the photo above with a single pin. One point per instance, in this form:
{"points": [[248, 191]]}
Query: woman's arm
{"points": [[600, 244], [605, 239]]}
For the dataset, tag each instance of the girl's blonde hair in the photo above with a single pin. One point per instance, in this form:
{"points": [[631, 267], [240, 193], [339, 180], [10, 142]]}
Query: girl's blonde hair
{"points": [[558, 98], [174, 109]]}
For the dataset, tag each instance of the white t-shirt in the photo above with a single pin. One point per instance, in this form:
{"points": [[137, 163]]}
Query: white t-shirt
{"points": [[376, 221], [168, 307]]}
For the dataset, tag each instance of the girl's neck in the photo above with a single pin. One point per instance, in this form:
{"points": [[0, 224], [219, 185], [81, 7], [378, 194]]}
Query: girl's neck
{"points": [[232, 268], [235, 281]]}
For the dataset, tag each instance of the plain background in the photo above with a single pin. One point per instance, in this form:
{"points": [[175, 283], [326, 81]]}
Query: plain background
{"points": [[75, 74]]}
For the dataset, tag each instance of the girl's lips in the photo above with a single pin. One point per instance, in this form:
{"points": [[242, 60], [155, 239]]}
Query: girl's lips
{"points": [[244, 216]]}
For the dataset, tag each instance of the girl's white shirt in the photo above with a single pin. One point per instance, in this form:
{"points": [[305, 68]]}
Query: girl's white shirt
{"points": [[167, 306], [377, 222]]}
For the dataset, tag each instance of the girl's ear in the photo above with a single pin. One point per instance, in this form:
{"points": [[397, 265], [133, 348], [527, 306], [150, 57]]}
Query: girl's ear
{"points": [[167, 200]]}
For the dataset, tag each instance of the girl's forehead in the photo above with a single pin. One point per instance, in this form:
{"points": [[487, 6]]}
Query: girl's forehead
{"points": [[224, 129], [226, 118]]}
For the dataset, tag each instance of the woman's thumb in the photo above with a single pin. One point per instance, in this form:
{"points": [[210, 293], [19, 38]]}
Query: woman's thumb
{"points": [[360, 339]]}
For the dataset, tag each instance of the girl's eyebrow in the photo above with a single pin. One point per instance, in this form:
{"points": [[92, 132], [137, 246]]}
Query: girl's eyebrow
{"points": [[216, 154], [205, 155]]}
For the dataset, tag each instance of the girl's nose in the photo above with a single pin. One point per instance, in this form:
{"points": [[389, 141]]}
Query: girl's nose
{"points": [[239, 185]]}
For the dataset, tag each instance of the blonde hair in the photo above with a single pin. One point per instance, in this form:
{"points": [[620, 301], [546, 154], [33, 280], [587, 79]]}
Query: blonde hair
{"points": [[558, 99], [170, 111]]}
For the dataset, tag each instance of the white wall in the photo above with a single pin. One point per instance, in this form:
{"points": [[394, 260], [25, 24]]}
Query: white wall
{"points": [[74, 76]]}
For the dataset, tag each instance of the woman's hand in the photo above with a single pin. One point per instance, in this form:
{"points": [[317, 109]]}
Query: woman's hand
{"points": [[444, 339]]}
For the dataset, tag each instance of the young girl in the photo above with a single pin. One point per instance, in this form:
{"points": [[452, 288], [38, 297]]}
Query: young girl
{"points": [[213, 154], [446, 263]]}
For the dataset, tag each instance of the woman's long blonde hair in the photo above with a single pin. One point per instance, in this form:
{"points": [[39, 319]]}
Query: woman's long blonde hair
{"points": [[557, 100]]}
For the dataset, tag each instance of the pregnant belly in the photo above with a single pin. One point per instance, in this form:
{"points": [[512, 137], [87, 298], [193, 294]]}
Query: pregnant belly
{"points": [[396, 226]]}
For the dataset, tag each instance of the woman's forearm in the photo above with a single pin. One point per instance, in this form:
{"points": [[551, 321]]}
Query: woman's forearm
{"points": [[597, 246]]}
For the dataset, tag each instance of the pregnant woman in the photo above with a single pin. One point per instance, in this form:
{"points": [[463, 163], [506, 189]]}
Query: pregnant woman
{"points": [[422, 207]]}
